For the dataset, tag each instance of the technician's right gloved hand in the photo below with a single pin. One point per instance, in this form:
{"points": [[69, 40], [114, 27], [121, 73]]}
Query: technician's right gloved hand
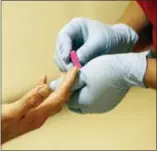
{"points": [[103, 82], [90, 39]]}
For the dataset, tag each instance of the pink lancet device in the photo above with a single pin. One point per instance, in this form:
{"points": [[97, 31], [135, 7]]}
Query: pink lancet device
{"points": [[75, 59]]}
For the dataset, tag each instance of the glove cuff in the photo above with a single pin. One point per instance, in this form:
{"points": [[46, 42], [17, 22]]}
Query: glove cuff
{"points": [[137, 69]]}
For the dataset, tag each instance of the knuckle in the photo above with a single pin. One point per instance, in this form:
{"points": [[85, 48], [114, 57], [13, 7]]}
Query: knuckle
{"points": [[40, 94], [31, 102], [43, 91]]}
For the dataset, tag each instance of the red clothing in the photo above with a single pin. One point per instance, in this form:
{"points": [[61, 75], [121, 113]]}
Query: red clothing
{"points": [[149, 7]]}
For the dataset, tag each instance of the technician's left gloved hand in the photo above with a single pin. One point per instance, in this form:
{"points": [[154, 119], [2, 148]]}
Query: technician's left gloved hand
{"points": [[90, 39], [103, 82]]}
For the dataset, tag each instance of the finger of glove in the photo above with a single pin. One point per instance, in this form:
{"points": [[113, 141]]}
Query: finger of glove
{"points": [[63, 65], [64, 46], [88, 51], [71, 36], [58, 57], [58, 63]]}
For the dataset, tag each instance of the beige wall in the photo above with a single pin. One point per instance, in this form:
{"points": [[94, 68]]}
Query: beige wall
{"points": [[29, 31]]}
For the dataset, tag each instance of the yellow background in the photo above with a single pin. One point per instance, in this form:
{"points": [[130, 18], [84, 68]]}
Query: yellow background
{"points": [[29, 31]]}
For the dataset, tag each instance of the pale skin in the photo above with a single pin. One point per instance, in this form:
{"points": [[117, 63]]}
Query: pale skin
{"points": [[137, 19], [33, 109]]}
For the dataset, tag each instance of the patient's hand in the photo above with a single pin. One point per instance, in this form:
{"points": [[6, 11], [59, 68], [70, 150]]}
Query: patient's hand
{"points": [[33, 109]]}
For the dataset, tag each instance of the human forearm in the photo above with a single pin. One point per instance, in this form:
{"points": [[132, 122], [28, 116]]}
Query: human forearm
{"points": [[136, 18], [150, 76]]}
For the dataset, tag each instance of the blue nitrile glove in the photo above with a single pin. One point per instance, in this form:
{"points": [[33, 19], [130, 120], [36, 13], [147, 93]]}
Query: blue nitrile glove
{"points": [[91, 38], [104, 81]]}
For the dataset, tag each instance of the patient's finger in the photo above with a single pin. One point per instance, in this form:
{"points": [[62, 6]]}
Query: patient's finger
{"points": [[63, 91], [67, 82], [62, 94], [32, 99]]}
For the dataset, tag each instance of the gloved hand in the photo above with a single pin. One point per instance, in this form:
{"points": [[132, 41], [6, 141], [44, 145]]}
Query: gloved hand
{"points": [[91, 38], [103, 82]]}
